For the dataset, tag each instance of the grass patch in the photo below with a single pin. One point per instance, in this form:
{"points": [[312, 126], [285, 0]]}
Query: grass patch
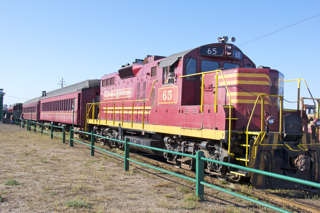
{"points": [[169, 196], [1, 199], [54, 193], [76, 203], [184, 189], [12, 183], [224, 182], [191, 201]]}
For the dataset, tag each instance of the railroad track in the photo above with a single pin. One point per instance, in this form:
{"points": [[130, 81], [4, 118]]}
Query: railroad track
{"points": [[262, 195]]}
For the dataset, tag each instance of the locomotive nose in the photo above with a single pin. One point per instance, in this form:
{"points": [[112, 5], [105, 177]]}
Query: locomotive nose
{"points": [[302, 162]]}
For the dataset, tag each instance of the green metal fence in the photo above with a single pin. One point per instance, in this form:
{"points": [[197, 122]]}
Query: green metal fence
{"points": [[33, 124], [199, 157]]}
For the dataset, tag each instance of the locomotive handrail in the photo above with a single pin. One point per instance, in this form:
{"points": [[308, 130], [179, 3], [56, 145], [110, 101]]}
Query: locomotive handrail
{"points": [[216, 92], [315, 112], [262, 95], [298, 80], [107, 102]]}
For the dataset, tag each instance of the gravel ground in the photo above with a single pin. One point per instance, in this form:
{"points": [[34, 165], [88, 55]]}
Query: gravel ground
{"points": [[49, 176]]}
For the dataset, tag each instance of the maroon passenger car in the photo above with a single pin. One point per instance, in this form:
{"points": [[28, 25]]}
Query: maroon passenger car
{"points": [[31, 109], [56, 106]]}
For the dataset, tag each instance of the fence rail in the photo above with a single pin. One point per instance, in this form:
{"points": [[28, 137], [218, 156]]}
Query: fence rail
{"points": [[199, 159]]}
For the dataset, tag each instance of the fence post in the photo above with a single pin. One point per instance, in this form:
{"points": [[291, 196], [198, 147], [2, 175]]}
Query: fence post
{"points": [[35, 126], [51, 133], [71, 136], [29, 125], [63, 134], [92, 143], [41, 128], [126, 154], [199, 175]]}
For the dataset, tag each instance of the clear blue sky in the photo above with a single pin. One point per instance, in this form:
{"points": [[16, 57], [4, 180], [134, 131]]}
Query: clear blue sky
{"points": [[44, 41]]}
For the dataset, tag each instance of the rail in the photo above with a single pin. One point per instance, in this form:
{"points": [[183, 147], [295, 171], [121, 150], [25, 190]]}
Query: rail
{"points": [[90, 106], [216, 94], [199, 159]]}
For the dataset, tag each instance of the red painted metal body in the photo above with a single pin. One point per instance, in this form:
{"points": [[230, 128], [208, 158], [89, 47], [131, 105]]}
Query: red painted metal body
{"points": [[62, 111], [179, 103], [60, 114], [31, 111]]}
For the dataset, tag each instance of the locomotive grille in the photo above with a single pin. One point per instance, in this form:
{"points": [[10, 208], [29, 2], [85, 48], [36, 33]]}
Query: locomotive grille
{"points": [[186, 110], [138, 87], [143, 96], [194, 110], [144, 86]]}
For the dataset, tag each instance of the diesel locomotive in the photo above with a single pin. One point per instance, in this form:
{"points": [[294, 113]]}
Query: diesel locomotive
{"points": [[211, 98]]}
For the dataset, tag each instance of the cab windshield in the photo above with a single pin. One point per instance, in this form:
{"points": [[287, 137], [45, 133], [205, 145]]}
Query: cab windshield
{"points": [[209, 65], [230, 66]]}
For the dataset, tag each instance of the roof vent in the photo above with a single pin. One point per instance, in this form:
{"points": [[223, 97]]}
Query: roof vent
{"points": [[263, 67], [44, 93]]}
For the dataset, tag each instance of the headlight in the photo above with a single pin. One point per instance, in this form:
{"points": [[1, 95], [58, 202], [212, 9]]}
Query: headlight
{"points": [[228, 47], [270, 120], [316, 122]]}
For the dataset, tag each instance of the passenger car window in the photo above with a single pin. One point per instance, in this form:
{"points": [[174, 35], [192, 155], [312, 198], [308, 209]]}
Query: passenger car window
{"points": [[209, 65]]}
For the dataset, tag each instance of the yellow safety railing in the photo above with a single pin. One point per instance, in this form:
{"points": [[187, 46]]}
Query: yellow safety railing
{"points": [[114, 109], [216, 94], [262, 132], [298, 80]]}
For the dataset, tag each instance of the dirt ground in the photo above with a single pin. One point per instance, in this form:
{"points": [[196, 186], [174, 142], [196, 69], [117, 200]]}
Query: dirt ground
{"points": [[49, 176]]}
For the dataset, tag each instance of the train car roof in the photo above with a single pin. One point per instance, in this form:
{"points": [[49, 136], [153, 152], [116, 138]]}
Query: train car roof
{"points": [[168, 61], [13, 105], [73, 88], [32, 100]]}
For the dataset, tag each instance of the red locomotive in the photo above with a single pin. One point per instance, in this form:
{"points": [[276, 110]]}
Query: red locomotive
{"points": [[210, 98]]}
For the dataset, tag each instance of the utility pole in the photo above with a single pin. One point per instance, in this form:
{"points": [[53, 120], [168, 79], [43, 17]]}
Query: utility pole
{"points": [[62, 82], [1, 103]]}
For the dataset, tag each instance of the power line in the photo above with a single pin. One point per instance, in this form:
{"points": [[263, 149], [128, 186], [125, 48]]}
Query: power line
{"points": [[15, 97], [279, 29]]}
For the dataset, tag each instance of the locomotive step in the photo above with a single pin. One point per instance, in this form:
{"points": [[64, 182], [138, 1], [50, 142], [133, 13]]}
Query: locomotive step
{"points": [[184, 160]]}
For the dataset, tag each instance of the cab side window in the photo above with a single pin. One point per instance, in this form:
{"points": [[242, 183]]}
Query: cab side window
{"points": [[168, 74], [191, 68]]}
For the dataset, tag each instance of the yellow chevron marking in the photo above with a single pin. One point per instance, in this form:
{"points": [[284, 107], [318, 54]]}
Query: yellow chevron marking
{"points": [[245, 82]]}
